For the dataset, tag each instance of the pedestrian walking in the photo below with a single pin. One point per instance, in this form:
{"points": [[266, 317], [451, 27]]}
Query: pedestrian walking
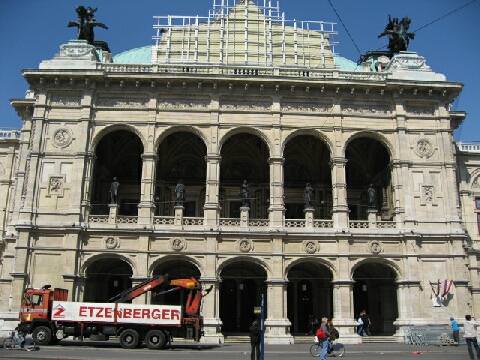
{"points": [[255, 340], [470, 335], [455, 330], [322, 335], [365, 323]]}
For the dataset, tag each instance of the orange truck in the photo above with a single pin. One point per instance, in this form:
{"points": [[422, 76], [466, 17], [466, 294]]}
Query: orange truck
{"points": [[49, 317]]}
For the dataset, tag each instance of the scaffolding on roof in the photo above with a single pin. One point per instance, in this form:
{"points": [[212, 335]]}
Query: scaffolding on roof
{"points": [[242, 32]]}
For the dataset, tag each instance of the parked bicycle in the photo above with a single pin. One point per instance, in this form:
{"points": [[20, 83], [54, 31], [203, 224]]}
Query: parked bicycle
{"points": [[416, 336], [335, 349], [17, 341]]}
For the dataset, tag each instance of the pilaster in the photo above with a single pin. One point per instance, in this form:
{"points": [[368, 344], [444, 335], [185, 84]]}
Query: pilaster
{"points": [[277, 206]]}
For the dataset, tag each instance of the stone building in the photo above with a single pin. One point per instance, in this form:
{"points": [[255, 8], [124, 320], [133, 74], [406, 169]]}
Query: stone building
{"points": [[242, 94]]}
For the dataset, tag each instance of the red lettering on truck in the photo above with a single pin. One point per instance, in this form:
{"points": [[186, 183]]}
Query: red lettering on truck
{"points": [[156, 314], [146, 314], [127, 313], [166, 314], [175, 314], [137, 313], [99, 312], [82, 311]]}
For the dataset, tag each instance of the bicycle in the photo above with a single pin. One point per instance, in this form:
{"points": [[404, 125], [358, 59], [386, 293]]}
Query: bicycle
{"points": [[335, 349], [17, 341]]}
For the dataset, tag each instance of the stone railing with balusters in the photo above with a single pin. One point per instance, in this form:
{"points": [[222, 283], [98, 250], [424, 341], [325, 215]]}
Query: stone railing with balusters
{"points": [[258, 223], [322, 224], [9, 134], [386, 224], [193, 221], [295, 223], [358, 224], [98, 219], [230, 222], [163, 220], [127, 219], [247, 71]]}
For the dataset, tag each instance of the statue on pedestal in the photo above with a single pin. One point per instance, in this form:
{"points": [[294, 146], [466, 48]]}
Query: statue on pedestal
{"points": [[114, 186], [179, 193], [308, 196], [398, 35], [85, 23], [245, 194], [372, 197]]}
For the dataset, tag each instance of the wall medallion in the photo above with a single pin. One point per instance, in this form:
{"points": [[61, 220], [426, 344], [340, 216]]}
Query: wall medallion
{"points": [[310, 246], [375, 247], [424, 148], [112, 243], [62, 138], [178, 244], [245, 245]]}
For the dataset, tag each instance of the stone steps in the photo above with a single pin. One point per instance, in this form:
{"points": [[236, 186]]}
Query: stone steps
{"points": [[381, 339], [236, 339]]}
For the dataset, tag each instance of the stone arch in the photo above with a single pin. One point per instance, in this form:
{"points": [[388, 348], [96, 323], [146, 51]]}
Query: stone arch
{"points": [[312, 132], [172, 258], [372, 135], [247, 130], [474, 180], [382, 261], [254, 260], [111, 128], [320, 261], [90, 260], [179, 128]]}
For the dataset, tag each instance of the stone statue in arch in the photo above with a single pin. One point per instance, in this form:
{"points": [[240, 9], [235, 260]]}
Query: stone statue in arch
{"points": [[308, 196], [114, 186], [179, 193], [245, 194], [372, 197]]}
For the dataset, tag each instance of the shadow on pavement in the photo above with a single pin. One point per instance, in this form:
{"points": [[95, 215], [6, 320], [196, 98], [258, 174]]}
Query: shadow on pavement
{"points": [[114, 344]]}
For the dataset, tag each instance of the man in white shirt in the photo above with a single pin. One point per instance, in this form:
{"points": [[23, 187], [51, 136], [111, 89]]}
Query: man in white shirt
{"points": [[471, 336]]}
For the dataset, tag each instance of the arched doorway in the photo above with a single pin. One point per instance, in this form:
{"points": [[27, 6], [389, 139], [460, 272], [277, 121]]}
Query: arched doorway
{"points": [[307, 160], [118, 154], [181, 158], [242, 284], [244, 157], [368, 164], [175, 269], [106, 278], [309, 295], [376, 292]]}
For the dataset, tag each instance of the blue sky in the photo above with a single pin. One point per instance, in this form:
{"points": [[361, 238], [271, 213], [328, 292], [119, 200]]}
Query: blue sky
{"points": [[32, 30]]}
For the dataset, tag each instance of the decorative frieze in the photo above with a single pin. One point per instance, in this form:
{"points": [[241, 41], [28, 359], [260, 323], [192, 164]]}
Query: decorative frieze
{"points": [[308, 107], [127, 101], [310, 246], [55, 185], [375, 247], [420, 110], [183, 103], [246, 105], [427, 194], [178, 244], [245, 245], [366, 109], [476, 183], [112, 243], [66, 100]]}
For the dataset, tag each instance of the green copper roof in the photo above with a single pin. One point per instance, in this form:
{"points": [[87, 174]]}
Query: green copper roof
{"points": [[345, 64], [141, 55]]}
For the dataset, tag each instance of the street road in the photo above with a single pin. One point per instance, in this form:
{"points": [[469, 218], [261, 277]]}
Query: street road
{"points": [[71, 350]]}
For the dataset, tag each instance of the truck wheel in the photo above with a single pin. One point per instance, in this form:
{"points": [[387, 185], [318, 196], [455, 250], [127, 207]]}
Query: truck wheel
{"points": [[42, 335], [129, 339], [155, 339]]}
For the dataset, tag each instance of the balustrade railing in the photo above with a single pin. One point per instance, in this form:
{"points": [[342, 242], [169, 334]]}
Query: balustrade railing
{"points": [[163, 220], [358, 224], [322, 224], [386, 224], [127, 219], [230, 222], [192, 221], [258, 222], [98, 219], [295, 223]]}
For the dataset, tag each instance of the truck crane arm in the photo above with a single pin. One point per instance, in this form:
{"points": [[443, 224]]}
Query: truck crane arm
{"points": [[150, 284]]}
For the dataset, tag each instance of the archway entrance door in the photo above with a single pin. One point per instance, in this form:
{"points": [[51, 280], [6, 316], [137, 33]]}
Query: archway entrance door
{"points": [[240, 291], [175, 269], [375, 292], [309, 296], [106, 278]]}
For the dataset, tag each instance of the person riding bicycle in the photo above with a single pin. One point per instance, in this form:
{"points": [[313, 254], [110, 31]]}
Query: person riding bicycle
{"points": [[322, 336]]}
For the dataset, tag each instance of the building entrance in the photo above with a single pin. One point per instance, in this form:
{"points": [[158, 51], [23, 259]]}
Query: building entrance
{"points": [[375, 292], [309, 296], [240, 291]]}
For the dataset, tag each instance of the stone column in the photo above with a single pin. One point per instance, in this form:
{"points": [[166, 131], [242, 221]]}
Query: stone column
{"points": [[277, 206], [398, 193], [20, 272], [408, 298], [277, 325], [212, 206], [146, 207], [210, 312], [339, 196], [343, 311], [87, 185]]}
